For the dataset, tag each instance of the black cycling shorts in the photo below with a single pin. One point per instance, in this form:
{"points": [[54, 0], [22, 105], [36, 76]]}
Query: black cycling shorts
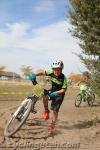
{"points": [[56, 102]]}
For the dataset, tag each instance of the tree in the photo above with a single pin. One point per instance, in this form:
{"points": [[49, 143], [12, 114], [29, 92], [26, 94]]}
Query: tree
{"points": [[26, 70], [78, 77], [85, 19]]}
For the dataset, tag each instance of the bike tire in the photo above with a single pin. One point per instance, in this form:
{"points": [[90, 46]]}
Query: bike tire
{"points": [[78, 100], [8, 133], [91, 99]]}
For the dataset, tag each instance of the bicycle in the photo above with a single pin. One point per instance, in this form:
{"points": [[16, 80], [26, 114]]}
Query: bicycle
{"points": [[86, 95], [18, 118]]}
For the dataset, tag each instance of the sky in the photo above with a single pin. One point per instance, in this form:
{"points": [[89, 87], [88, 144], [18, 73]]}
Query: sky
{"points": [[35, 33]]}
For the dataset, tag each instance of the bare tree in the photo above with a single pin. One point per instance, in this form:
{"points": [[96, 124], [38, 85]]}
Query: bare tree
{"points": [[25, 70], [2, 68]]}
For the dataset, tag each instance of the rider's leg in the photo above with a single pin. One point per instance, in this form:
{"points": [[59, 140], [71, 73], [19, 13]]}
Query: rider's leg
{"points": [[46, 112], [53, 116], [55, 106], [45, 102]]}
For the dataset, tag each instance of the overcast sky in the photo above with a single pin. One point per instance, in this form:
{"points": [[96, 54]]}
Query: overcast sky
{"points": [[36, 32]]}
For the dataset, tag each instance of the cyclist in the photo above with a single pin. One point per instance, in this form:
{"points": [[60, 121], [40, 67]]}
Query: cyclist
{"points": [[57, 92], [85, 85]]}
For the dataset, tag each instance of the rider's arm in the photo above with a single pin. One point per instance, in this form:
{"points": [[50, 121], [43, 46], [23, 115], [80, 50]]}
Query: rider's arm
{"points": [[39, 72], [32, 75], [42, 72], [61, 91]]}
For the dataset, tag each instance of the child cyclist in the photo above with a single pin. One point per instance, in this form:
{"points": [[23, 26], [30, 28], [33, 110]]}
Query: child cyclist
{"points": [[57, 92]]}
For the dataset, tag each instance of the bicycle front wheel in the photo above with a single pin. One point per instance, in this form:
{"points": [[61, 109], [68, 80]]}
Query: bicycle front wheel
{"points": [[18, 118], [78, 100]]}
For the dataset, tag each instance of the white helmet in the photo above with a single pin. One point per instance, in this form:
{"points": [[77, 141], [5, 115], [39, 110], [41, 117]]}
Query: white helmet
{"points": [[57, 64]]}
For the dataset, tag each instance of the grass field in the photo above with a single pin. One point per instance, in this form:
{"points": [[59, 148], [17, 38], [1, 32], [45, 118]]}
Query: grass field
{"points": [[14, 90]]}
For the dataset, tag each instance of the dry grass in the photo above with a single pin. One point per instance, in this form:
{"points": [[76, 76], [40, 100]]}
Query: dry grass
{"points": [[14, 87]]}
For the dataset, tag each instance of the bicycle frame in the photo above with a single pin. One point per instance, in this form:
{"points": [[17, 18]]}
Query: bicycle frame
{"points": [[83, 94]]}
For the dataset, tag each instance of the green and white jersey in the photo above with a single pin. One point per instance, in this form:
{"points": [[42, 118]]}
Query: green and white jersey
{"points": [[58, 82]]}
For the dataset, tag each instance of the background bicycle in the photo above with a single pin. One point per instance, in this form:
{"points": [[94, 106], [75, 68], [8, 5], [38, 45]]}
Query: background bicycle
{"points": [[86, 95]]}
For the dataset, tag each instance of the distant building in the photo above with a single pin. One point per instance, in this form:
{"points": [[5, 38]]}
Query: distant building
{"points": [[4, 75]]}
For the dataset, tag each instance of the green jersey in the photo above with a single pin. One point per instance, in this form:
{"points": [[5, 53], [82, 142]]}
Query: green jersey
{"points": [[58, 82]]}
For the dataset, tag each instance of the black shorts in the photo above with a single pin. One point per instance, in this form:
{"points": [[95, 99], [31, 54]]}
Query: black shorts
{"points": [[56, 102]]}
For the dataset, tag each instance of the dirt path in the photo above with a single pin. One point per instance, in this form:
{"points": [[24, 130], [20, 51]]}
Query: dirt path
{"points": [[76, 127]]}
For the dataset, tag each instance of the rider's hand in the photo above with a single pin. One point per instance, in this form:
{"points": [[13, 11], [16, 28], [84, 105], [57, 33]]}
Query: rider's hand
{"points": [[32, 76], [53, 94]]}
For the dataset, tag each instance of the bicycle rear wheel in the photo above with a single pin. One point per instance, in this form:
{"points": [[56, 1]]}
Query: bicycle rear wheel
{"points": [[91, 100], [17, 119], [78, 100]]}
